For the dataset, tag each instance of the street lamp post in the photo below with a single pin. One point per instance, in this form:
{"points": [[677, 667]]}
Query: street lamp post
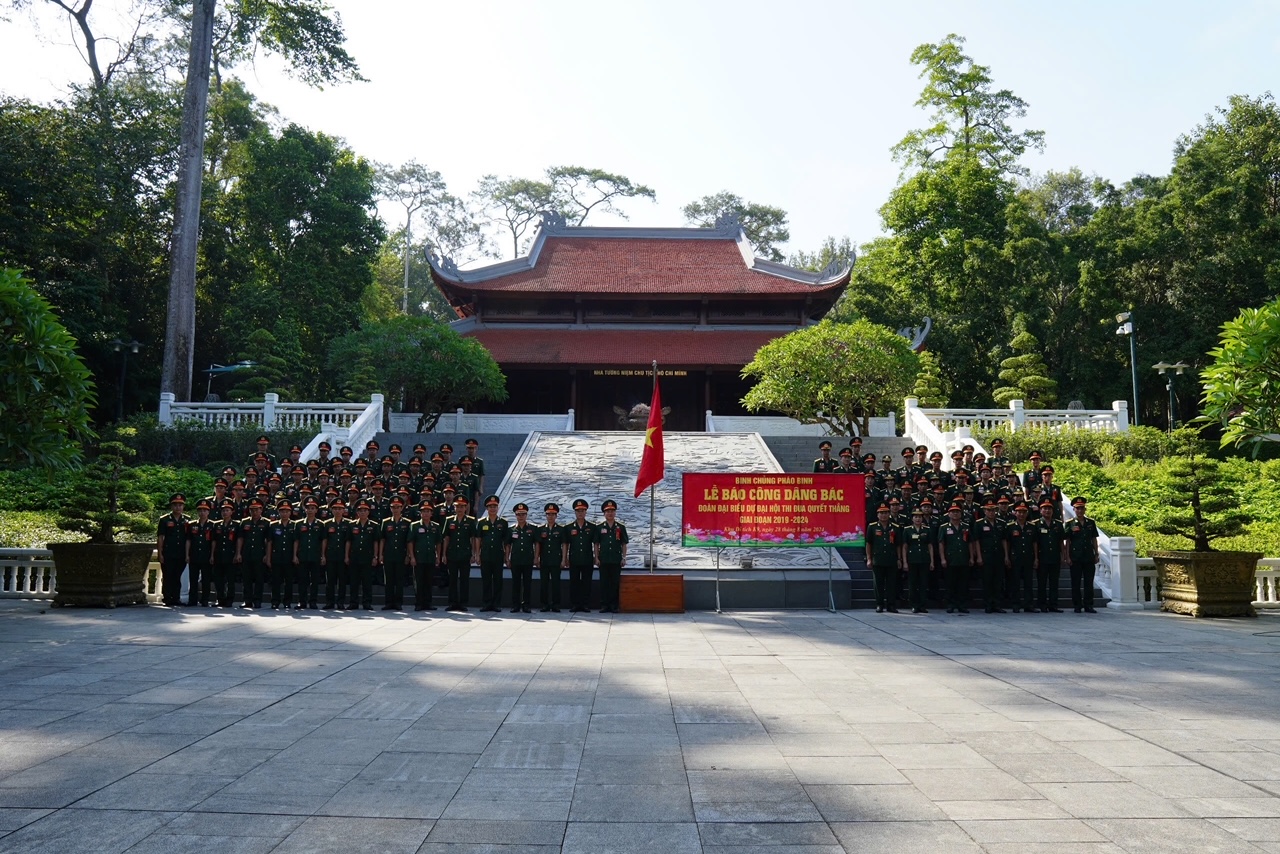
{"points": [[124, 348], [1164, 368], [1125, 319]]}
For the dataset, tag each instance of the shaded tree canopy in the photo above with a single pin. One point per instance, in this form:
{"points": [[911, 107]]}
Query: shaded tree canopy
{"points": [[835, 374]]}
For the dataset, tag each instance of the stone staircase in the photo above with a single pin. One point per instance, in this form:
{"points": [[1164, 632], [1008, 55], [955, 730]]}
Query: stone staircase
{"points": [[797, 453]]}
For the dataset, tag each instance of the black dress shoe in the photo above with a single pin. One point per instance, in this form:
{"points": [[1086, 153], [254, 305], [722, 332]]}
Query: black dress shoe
{"points": [[998, 611], [526, 611], [964, 610], [879, 610], [544, 610], [951, 610], [1056, 610], [917, 610], [388, 607], [555, 610], [892, 610], [1090, 611], [924, 610]]}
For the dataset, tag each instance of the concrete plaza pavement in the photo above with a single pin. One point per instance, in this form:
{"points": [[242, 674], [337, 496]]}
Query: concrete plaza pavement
{"points": [[157, 730]]}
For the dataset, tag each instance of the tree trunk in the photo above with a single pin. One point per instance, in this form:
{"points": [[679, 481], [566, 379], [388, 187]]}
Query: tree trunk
{"points": [[180, 324]]}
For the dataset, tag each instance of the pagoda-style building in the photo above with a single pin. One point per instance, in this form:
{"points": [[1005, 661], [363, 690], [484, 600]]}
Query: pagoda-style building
{"points": [[577, 323]]}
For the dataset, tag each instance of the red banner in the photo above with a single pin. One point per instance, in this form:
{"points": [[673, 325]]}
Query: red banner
{"points": [[773, 510]]}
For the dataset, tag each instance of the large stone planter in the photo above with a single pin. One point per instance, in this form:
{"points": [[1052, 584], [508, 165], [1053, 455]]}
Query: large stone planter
{"points": [[1207, 584], [100, 575]]}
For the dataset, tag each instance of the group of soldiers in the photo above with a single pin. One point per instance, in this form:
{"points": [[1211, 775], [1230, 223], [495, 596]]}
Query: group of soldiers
{"points": [[934, 528], [340, 527]]}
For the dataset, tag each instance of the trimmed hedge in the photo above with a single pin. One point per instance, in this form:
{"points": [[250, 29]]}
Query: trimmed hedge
{"points": [[1139, 443], [189, 443]]}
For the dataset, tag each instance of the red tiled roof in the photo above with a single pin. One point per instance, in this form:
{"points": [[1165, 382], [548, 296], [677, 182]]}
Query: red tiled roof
{"points": [[632, 266], [624, 347]]}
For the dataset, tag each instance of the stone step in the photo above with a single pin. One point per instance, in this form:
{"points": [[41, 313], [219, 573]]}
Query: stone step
{"points": [[797, 453]]}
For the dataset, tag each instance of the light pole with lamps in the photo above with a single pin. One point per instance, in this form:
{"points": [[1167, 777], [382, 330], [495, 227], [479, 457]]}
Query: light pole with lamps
{"points": [[1164, 369], [1125, 319], [124, 348]]}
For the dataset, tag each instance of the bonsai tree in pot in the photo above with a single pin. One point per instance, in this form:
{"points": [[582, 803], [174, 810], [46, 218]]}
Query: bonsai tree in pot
{"points": [[1200, 505], [107, 504]]}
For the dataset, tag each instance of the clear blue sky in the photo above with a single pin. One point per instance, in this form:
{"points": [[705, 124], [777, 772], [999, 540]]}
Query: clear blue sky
{"points": [[791, 104]]}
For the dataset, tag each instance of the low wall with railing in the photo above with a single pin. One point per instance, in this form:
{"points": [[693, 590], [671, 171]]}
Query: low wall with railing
{"points": [[31, 574], [1016, 417], [481, 423], [774, 425], [271, 414]]}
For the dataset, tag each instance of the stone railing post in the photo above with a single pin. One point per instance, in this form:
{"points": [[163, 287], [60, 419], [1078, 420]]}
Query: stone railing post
{"points": [[1121, 408], [1017, 415], [379, 401], [166, 408], [711, 422], [569, 424], [1124, 575], [269, 401]]}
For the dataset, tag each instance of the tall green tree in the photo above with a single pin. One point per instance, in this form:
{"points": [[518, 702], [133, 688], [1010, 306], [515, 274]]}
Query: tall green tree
{"points": [[765, 226], [1024, 374], [835, 374], [1242, 383], [832, 252], [45, 389], [419, 361], [579, 191]]}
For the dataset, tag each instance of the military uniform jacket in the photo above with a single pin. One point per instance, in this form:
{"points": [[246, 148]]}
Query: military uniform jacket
{"points": [[174, 532], [225, 534], [827, 466], [457, 537], [308, 536], [425, 539], [281, 539], [1049, 538], [1021, 542], [882, 543], [990, 539], [919, 543], [477, 466], [395, 540], [253, 537], [611, 539], [200, 536], [336, 534], [493, 538], [361, 540], [953, 540], [523, 539], [582, 540], [551, 539], [1082, 536]]}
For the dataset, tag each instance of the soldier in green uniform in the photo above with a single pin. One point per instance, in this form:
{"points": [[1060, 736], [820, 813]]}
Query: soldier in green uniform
{"points": [[956, 555], [251, 550], [846, 463], [393, 554], [337, 577], [1031, 477], [997, 457], [424, 551], [495, 543], [460, 552], [824, 464], [1082, 550], [611, 554], [1050, 491], [477, 464], [264, 448], [582, 544], [200, 555], [1020, 558], [1051, 547], [308, 547], [883, 556], [226, 532], [472, 483], [171, 546], [917, 554], [987, 536], [552, 551], [520, 556], [279, 558], [362, 554]]}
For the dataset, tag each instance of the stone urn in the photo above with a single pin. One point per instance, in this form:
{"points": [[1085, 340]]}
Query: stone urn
{"points": [[100, 575], [1207, 584]]}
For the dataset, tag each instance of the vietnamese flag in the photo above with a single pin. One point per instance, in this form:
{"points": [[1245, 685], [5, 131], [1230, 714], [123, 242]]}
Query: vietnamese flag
{"points": [[651, 463]]}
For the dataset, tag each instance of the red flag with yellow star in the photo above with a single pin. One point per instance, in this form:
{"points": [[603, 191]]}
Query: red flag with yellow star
{"points": [[651, 463]]}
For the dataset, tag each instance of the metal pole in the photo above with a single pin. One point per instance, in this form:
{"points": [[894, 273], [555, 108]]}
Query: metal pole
{"points": [[717, 580], [1133, 364], [1169, 388], [652, 486]]}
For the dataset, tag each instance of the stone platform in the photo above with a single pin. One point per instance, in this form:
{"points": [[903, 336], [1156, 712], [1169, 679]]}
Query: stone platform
{"points": [[153, 730]]}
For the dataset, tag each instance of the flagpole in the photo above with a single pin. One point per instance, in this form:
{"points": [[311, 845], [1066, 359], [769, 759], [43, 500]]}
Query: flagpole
{"points": [[654, 485]]}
